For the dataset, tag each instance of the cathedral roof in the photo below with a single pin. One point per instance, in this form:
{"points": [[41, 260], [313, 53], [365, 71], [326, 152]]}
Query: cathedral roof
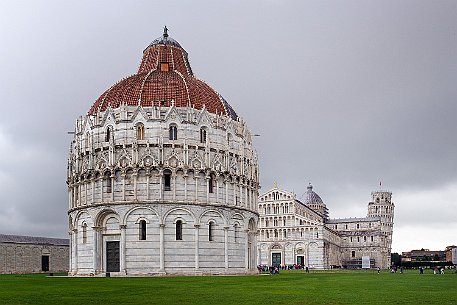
{"points": [[311, 197], [164, 78]]}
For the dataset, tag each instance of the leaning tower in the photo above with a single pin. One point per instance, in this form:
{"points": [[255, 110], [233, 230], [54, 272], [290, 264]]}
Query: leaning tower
{"points": [[382, 206]]}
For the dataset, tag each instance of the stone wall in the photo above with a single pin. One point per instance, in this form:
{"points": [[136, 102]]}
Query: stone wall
{"points": [[27, 258]]}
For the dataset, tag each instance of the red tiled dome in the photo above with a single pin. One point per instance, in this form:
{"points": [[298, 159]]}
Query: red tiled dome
{"points": [[164, 75]]}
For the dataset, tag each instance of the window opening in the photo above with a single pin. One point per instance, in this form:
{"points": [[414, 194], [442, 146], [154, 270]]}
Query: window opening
{"points": [[179, 230], [108, 134], [167, 180], [173, 132], [236, 232], [164, 67], [84, 233], [109, 187], [140, 132], [210, 231], [142, 229], [211, 184], [202, 135]]}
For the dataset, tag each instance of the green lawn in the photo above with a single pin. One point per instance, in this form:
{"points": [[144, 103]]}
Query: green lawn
{"points": [[290, 287]]}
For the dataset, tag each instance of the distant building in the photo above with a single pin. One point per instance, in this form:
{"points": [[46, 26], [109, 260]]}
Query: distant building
{"points": [[295, 232], [27, 254], [424, 255], [451, 254]]}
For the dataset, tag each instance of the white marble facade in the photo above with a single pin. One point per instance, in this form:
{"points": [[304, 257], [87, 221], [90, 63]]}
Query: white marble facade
{"points": [[294, 232], [168, 187]]}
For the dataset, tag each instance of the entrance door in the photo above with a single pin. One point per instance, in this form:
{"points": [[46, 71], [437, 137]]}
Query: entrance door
{"points": [[300, 260], [276, 259], [112, 256], [45, 263]]}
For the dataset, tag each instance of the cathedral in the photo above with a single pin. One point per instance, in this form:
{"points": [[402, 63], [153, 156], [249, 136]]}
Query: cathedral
{"points": [[292, 232], [162, 176]]}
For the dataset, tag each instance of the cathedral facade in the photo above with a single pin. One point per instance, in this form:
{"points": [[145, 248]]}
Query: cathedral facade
{"points": [[292, 232], [162, 176]]}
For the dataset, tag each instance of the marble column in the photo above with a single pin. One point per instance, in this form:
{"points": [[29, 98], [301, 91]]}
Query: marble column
{"points": [[123, 186], [135, 185], [147, 186], [174, 187], [95, 249], [123, 250], [197, 247], [162, 247], [246, 250], [196, 189], [226, 250], [75, 251], [112, 187], [185, 187], [217, 189], [101, 189]]}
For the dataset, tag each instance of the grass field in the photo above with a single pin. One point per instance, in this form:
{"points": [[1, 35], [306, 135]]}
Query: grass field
{"points": [[289, 287]]}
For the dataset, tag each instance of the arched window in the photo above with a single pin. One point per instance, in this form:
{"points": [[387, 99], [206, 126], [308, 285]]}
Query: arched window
{"points": [[167, 180], [87, 140], [229, 138], [236, 228], [202, 135], [109, 187], [268, 234], [173, 132], [211, 231], [84, 233], [108, 134], [142, 230], [140, 131], [179, 230], [211, 184]]}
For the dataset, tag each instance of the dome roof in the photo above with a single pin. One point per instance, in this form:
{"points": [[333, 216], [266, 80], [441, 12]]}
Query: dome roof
{"points": [[164, 77], [311, 197]]}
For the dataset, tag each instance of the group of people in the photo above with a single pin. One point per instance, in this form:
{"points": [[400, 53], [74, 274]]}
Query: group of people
{"points": [[276, 268], [436, 270]]}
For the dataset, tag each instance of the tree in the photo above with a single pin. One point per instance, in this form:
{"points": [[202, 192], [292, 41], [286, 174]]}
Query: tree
{"points": [[395, 258]]}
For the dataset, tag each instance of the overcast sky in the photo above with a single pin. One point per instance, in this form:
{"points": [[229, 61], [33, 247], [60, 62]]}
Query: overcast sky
{"points": [[344, 94]]}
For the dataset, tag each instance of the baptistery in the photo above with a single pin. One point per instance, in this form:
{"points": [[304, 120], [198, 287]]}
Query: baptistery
{"points": [[162, 176]]}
